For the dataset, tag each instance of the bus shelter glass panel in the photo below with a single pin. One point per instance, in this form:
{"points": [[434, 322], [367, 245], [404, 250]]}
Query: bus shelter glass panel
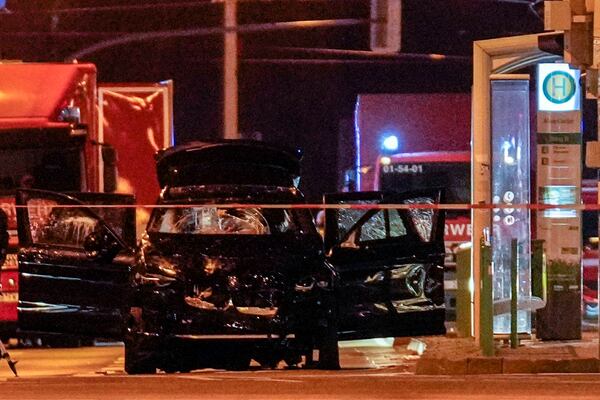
{"points": [[510, 191]]}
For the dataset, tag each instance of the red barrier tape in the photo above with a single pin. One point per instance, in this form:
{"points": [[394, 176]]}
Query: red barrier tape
{"points": [[534, 207]]}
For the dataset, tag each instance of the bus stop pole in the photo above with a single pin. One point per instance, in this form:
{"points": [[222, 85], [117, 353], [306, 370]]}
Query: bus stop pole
{"points": [[486, 315], [514, 274]]}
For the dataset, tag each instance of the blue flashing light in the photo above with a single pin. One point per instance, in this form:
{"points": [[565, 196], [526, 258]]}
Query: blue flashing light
{"points": [[390, 143]]}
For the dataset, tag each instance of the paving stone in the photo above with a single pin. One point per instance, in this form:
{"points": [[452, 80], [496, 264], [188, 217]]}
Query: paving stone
{"points": [[484, 365], [454, 356], [584, 365], [441, 366], [517, 366], [543, 366]]}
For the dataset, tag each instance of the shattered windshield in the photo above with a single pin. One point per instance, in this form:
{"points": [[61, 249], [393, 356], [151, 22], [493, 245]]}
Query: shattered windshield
{"points": [[208, 220]]}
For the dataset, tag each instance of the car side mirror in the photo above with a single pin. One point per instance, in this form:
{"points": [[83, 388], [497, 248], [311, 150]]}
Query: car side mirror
{"points": [[100, 244]]}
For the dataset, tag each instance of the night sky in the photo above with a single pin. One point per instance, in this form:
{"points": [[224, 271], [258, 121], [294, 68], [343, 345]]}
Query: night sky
{"points": [[291, 90]]}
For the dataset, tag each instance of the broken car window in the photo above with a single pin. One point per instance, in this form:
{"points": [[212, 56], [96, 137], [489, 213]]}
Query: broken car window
{"points": [[422, 218], [52, 224], [347, 217], [382, 225], [397, 227], [221, 221], [373, 228]]}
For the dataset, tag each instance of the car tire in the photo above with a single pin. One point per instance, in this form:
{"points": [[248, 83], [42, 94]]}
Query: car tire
{"points": [[138, 359], [269, 362], [329, 353], [238, 361]]}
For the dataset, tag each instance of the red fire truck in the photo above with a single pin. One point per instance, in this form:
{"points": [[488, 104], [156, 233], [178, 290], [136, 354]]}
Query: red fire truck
{"points": [[61, 131]]}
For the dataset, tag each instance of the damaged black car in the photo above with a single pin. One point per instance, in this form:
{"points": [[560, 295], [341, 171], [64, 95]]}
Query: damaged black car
{"points": [[231, 267]]}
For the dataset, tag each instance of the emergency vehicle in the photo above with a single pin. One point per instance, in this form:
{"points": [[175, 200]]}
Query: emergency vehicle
{"points": [[62, 131]]}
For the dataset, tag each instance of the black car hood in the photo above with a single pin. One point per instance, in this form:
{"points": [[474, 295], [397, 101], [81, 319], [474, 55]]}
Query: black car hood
{"points": [[236, 161]]}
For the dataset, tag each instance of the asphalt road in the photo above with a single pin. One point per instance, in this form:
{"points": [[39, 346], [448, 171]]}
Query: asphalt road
{"points": [[367, 373], [107, 359]]}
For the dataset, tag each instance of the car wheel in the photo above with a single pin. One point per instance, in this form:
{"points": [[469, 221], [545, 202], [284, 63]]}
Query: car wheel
{"points": [[139, 359], [329, 353], [268, 362], [177, 359], [238, 361], [292, 360], [269, 356]]}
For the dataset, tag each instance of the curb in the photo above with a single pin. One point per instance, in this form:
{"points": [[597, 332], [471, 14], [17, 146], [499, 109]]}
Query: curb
{"points": [[504, 365]]}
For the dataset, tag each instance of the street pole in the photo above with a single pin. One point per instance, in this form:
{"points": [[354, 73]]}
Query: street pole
{"points": [[486, 306], [230, 72], [514, 293]]}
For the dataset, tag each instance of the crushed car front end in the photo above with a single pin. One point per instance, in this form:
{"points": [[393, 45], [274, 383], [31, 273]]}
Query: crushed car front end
{"points": [[240, 277]]}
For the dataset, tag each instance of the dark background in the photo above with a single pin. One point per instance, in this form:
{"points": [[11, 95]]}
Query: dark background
{"points": [[297, 87]]}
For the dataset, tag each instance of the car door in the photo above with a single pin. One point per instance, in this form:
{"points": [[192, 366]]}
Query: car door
{"points": [[388, 253], [74, 270]]}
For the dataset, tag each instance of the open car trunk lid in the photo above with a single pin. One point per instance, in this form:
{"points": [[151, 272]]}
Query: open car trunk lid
{"points": [[228, 162]]}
